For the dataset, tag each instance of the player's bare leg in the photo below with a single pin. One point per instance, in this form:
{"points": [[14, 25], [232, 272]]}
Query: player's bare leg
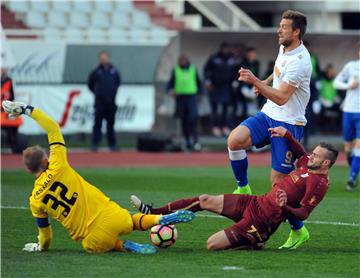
{"points": [[238, 141], [212, 203], [218, 241], [191, 204], [230, 239], [202, 202]]}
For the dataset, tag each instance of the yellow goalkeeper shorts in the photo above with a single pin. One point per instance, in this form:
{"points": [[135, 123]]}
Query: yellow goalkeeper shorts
{"points": [[112, 222]]}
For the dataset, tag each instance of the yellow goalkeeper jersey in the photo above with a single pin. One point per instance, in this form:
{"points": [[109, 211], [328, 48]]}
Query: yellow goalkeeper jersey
{"points": [[60, 191]]}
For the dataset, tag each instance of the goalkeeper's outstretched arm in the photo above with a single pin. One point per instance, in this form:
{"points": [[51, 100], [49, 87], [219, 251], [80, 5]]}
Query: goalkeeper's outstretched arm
{"points": [[51, 127]]}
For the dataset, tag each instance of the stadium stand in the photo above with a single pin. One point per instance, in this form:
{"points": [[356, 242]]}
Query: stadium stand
{"points": [[110, 21], [9, 20], [159, 15]]}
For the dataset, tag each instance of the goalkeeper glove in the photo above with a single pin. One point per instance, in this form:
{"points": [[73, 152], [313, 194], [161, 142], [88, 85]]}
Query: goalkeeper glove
{"points": [[32, 247], [14, 108]]}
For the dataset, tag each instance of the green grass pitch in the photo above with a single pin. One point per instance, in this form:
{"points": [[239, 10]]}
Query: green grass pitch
{"points": [[333, 249]]}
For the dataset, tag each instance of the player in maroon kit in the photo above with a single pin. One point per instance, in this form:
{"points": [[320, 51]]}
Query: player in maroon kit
{"points": [[258, 217]]}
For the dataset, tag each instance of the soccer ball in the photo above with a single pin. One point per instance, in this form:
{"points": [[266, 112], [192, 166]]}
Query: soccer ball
{"points": [[163, 235]]}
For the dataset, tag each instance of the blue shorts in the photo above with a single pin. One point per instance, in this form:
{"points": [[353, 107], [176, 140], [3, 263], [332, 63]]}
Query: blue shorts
{"points": [[351, 126], [282, 159]]}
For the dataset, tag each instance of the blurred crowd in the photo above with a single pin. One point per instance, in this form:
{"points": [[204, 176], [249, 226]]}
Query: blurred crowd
{"points": [[232, 101]]}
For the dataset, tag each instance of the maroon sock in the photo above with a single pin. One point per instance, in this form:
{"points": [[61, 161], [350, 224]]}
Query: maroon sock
{"points": [[192, 204]]}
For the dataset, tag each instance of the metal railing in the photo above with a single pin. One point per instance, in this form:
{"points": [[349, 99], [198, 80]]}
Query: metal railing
{"points": [[144, 38], [225, 15]]}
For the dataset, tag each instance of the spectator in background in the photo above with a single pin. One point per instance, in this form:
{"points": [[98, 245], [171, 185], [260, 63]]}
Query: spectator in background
{"points": [[329, 99], [250, 62], [104, 82], [348, 79], [313, 105], [10, 125], [328, 96], [184, 85], [269, 71], [219, 75], [236, 96]]}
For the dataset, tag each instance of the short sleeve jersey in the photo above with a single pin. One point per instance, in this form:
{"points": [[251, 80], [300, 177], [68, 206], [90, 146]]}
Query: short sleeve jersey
{"points": [[350, 73], [294, 68]]}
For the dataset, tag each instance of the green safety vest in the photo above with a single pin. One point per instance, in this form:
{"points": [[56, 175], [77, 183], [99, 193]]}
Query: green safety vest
{"points": [[314, 65], [185, 81], [328, 91]]}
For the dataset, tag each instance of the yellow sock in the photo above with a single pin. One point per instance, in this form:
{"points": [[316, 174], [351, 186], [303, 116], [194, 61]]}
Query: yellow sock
{"points": [[144, 222], [119, 245]]}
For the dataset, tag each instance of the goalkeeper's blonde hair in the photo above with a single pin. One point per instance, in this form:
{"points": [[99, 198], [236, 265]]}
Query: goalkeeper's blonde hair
{"points": [[33, 158]]}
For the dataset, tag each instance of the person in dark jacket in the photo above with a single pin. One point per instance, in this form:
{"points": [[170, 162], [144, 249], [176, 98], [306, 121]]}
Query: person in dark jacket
{"points": [[219, 75], [184, 85], [104, 82], [244, 92], [251, 62]]}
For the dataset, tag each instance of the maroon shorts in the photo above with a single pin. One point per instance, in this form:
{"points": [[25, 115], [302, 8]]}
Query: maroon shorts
{"points": [[252, 229]]}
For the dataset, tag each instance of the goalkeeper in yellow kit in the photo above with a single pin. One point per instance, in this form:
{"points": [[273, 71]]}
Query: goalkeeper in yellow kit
{"points": [[86, 212]]}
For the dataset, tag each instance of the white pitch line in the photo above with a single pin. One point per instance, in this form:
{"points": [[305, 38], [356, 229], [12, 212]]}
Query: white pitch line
{"points": [[219, 216], [11, 207], [306, 221]]}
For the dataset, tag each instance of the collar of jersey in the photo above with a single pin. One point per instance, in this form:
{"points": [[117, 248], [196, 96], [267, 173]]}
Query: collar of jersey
{"points": [[296, 50]]}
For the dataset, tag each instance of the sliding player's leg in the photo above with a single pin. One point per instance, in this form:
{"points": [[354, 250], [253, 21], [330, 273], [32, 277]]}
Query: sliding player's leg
{"points": [[218, 241], [228, 205], [144, 222], [233, 237], [251, 231], [194, 204]]}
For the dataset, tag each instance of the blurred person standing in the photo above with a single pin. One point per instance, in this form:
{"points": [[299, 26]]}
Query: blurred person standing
{"points": [[219, 75], [236, 96], [184, 85], [9, 125], [348, 79], [328, 95], [104, 82], [268, 72], [329, 100], [313, 105], [250, 62]]}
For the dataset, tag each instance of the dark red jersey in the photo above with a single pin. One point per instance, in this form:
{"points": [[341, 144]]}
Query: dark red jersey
{"points": [[304, 190]]}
